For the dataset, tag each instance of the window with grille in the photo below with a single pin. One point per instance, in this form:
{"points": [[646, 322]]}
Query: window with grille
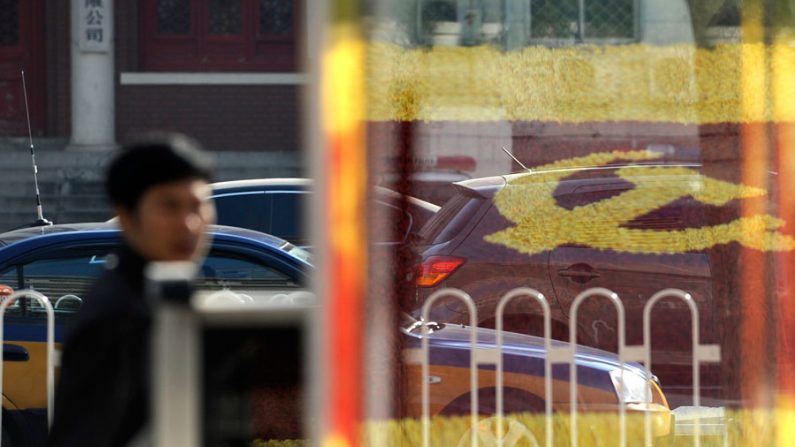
{"points": [[9, 22], [461, 22], [218, 35], [724, 25], [583, 20]]}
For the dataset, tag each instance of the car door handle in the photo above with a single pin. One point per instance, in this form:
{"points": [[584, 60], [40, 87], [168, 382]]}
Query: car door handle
{"points": [[579, 273], [15, 353]]}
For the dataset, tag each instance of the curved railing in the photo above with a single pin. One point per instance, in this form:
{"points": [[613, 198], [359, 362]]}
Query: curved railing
{"points": [[51, 360], [566, 354]]}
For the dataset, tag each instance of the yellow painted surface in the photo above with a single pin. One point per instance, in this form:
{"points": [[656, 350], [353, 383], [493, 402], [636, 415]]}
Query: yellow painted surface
{"points": [[785, 419], [676, 84], [343, 115], [521, 429], [744, 428], [25, 383], [336, 441], [540, 224], [454, 382], [343, 77]]}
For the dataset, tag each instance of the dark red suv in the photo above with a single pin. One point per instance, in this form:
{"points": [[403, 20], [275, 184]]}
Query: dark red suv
{"points": [[627, 223]]}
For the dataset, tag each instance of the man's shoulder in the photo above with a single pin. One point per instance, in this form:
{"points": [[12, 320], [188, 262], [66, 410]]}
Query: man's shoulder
{"points": [[112, 295]]}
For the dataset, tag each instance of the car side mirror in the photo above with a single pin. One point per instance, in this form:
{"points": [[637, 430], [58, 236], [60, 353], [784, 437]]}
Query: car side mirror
{"points": [[15, 353]]}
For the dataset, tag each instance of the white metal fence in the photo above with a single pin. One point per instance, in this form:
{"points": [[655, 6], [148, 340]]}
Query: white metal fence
{"points": [[50, 349], [565, 354], [555, 354]]}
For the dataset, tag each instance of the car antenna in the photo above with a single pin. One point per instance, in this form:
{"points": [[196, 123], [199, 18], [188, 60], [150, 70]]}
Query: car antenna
{"points": [[40, 220], [516, 159]]}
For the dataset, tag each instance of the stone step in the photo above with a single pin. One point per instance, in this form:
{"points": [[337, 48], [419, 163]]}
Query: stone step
{"points": [[72, 182], [11, 176], [16, 189], [12, 220], [46, 159], [78, 217], [24, 175], [55, 202]]}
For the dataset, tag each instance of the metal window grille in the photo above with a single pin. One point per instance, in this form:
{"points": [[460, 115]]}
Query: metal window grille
{"points": [[461, 22], [173, 17], [276, 17], [225, 17], [9, 22], [561, 22]]}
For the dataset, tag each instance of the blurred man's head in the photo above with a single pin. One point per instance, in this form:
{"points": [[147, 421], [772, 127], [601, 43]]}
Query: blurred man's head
{"points": [[159, 187]]}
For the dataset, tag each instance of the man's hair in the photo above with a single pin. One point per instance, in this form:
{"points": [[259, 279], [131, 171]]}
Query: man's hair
{"points": [[153, 159]]}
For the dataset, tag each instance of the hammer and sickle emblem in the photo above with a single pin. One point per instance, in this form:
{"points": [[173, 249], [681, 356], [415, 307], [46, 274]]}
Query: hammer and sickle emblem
{"points": [[529, 202]]}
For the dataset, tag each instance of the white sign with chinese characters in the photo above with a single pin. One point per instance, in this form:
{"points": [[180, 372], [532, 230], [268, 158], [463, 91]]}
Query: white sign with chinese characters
{"points": [[93, 18]]}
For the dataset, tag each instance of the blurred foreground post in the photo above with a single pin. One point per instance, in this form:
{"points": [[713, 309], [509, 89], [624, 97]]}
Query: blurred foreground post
{"points": [[340, 165], [784, 107], [755, 345], [175, 349]]}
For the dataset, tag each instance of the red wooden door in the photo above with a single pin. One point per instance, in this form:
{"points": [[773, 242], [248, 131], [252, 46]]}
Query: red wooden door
{"points": [[219, 35], [21, 48]]}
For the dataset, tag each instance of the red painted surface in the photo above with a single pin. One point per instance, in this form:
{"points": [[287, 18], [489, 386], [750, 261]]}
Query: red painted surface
{"points": [[28, 54], [347, 274], [754, 340], [200, 50], [785, 274]]}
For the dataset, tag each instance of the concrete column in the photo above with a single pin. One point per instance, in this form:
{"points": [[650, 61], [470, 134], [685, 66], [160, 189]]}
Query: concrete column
{"points": [[93, 86], [665, 22], [517, 19]]}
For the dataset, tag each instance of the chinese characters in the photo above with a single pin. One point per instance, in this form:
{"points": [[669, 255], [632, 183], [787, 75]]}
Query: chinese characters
{"points": [[94, 23]]}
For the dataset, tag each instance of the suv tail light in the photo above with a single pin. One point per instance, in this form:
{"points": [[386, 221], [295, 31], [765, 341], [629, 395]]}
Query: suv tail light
{"points": [[435, 269]]}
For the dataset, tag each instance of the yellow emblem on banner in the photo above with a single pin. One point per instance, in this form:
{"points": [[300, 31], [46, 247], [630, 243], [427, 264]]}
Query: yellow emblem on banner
{"points": [[541, 224]]}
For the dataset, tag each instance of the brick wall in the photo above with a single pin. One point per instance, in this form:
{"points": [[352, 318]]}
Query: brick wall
{"points": [[239, 118], [222, 117], [226, 117]]}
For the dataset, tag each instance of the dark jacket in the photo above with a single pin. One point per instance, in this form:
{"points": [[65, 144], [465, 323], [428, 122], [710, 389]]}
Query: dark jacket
{"points": [[102, 396]]}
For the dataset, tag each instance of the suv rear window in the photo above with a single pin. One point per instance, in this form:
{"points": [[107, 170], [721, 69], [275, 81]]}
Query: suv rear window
{"points": [[451, 218]]}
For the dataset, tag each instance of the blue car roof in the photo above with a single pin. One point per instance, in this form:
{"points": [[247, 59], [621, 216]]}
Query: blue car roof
{"points": [[16, 242], [11, 237]]}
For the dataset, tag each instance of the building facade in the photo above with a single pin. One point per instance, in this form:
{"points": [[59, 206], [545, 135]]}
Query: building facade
{"points": [[97, 72], [226, 72]]}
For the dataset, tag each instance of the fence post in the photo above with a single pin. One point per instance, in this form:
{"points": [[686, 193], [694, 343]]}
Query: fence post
{"points": [[503, 303], [701, 353], [473, 372], [613, 297], [45, 302]]}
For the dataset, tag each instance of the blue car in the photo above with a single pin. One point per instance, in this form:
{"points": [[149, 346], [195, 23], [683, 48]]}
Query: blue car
{"points": [[62, 261]]}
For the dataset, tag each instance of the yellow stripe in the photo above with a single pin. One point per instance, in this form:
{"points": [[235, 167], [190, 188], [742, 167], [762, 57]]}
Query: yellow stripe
{"points": [[678, 83], [343, 101], [25, 383]]}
